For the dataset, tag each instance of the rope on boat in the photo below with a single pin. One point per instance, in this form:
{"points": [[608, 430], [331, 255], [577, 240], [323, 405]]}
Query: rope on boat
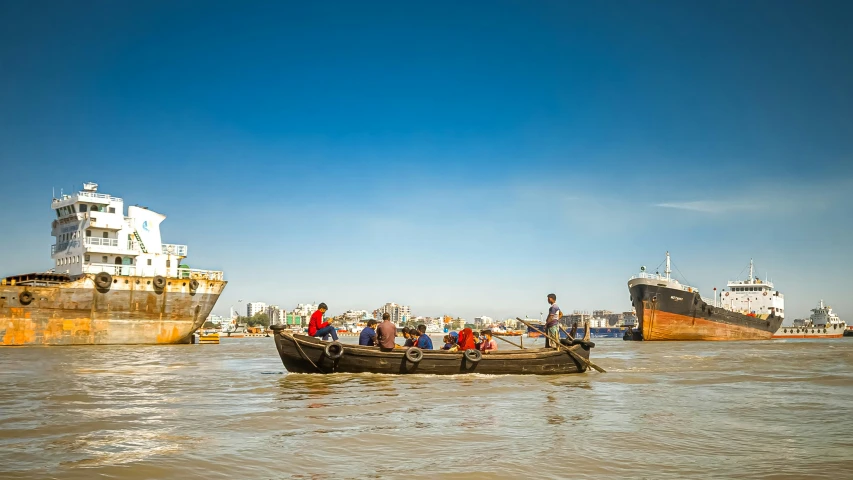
{"points": [[304, 356]]}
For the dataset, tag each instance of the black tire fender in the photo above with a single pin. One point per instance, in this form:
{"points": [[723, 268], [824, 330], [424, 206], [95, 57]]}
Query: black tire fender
{"points": [[473, 355], [159, 282], [334, 350], [26, 298], [103, 280], [193, 285], [414, 354]]}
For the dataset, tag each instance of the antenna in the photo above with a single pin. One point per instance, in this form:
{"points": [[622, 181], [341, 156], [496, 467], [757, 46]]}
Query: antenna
{"points": [[751, 268], [667, 271]]}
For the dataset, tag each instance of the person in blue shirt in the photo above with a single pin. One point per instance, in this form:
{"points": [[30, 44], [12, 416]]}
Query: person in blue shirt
{"points": [[423, 342], [368, 335]]}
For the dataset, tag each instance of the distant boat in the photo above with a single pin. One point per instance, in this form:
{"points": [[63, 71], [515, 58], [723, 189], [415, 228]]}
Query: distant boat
{"points": [[821, 324]]}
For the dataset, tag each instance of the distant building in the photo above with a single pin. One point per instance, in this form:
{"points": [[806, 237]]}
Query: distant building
{"points": [[400, 314], [355, 316], [253, 308], [274, 314], [304, 312], [482, 322]]}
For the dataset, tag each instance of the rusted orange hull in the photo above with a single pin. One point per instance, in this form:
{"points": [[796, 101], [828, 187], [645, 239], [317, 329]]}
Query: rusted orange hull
{"points": [[131, 311], [660, 325]]}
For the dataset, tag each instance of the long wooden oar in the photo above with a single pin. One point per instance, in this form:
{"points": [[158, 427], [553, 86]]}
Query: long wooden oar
{"points": [[507, 341], [567, 349], [568, 335]]}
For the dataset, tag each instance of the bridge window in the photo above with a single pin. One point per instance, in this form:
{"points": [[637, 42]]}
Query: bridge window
{"points": [[104, 259], [86, 258], [83, 207], [106, 235], [112, 210], [88, 233]]}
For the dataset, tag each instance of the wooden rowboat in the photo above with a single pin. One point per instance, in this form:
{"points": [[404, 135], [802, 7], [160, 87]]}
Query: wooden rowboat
{"points": [[304, 354]]}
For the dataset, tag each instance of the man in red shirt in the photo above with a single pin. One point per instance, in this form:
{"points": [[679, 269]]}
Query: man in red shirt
{"points": [[318, 328]]}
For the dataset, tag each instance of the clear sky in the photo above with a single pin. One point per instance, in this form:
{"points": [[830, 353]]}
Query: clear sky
{"points": [[460, 157]]}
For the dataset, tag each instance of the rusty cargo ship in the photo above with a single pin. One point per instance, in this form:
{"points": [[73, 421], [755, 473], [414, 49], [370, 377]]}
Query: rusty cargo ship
{"points": [[666, 309], [113, 281]]}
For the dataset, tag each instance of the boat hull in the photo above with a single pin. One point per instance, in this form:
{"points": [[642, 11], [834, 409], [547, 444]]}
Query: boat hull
{"points": [[829, 331], [665, 313], [130, 311], [303, 354]]}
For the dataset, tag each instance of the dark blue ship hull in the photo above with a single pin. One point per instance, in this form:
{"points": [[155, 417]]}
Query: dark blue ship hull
{"points": [[601, 332]]}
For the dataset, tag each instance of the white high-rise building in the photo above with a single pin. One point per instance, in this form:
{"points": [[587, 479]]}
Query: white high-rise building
{"points": [[253, 308], [304, 311], [400, 314]]}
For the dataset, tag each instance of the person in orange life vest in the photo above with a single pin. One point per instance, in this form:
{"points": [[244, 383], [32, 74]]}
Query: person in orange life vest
{"points": [[318, 328], [488, 344]]}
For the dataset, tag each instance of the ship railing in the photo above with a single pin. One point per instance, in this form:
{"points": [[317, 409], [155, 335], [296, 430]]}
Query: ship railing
{"points": [[203, 274], [105, 242], [652, 276], [172, 249], [145, 271]]}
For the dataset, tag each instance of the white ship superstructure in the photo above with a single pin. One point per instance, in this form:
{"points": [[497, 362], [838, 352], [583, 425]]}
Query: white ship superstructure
{"points": [[823, 316], [93, 235], [753, 296]]}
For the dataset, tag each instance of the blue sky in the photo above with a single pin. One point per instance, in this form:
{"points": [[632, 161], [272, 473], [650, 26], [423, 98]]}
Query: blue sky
{"points": [[461, 157]]}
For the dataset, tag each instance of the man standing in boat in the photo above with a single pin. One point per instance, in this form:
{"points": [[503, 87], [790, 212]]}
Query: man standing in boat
{"points": [[552, 324], [318, 328]]}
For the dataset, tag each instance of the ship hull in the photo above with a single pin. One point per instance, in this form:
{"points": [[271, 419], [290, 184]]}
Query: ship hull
{"points": [[130, 311], [828, 331], [665, 313]]}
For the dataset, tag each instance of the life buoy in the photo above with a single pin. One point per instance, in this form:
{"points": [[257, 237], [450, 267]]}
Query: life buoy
{"points": [[159, 282], [193, 285], [473, 355], [334, 350], [414, 354], [765, 294], [103, 280], [25, 298], [727, 294]]}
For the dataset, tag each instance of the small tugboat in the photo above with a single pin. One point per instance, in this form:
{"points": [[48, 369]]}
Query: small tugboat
{"points": [[304, 354], [821, 324]]}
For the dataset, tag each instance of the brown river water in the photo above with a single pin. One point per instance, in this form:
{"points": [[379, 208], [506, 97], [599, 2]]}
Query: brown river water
{"points": [[772, 409]]}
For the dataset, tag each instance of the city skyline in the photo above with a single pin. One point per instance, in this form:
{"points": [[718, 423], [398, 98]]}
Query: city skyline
{"points": [[452, 157]]}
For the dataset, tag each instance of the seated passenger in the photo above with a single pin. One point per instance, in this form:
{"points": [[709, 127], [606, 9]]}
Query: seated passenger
{"points": [[466, 339], [477, 340], [450, 344], [385, 334], [367, 337], [488, 344], [318, 328], [409, 335], [423, 341]]}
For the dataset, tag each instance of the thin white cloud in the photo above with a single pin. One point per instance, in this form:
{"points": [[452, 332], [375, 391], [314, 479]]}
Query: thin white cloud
{"points": [[706, 206]]}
